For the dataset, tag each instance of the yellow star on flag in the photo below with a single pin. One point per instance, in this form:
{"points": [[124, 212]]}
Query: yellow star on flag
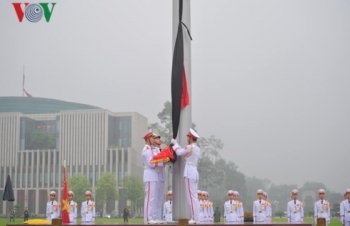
{"points": [[65, 205]]}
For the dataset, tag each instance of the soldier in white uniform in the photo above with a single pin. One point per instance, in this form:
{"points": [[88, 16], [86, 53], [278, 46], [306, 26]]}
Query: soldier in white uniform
{"points": [[322, 207], [230, 209], [191, 153], [88, 209], [150, 179], [201, 206], [161, 179], [345, 209], [72, 208], [259, 208], [295, 209], [240, 210], [168, 208], [52, 207], [268, 208], [210, 210]]}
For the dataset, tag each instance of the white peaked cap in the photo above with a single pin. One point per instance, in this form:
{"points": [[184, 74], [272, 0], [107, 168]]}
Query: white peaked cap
{"points": [[321, 191], [230, 192], [88, 193], [259, 191], [199, 192], [295, 191], [193, 133], [236, 193], [170, 192], [52, 193], [70, 192], [147, 134], [347, 191]]}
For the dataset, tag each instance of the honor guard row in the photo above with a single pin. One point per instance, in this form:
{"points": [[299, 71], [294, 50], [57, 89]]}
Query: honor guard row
{"points": [[154, 176], [53, 209], [262, 210], [206, 210]]}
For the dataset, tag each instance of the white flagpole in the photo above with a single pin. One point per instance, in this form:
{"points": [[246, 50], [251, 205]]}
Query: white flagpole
{"points": [[181, 208]]}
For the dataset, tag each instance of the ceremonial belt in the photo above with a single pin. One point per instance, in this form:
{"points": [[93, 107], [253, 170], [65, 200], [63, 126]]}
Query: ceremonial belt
{"points": [[191, 163]]}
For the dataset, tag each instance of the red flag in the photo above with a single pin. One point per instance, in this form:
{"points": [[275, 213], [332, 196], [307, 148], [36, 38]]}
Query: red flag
{"points": [[28, 95], [185, 99], [65, 215], [165, 156]]}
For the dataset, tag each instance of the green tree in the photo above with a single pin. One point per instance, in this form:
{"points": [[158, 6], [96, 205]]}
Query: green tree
{"points": [[281, 194], [211, 147], [79, 184], [41, 139], [17, 209], [310, 213], [133, 190], [166, 122], [106, 188], [335, 208]]}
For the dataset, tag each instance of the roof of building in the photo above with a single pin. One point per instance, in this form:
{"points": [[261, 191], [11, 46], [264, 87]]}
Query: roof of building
{"points": [[36, 105]]}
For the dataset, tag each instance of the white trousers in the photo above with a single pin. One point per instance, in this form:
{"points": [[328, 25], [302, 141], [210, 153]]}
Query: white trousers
{"points": [[346, 223], [149, 210], [160, 198], [191, 186]]}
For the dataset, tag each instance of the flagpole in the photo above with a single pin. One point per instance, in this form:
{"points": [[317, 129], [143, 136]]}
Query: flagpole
{"points": [[181, 208]]}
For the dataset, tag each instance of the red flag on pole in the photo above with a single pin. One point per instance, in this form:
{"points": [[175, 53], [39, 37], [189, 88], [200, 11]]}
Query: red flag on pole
{"points": [[65, 215]]}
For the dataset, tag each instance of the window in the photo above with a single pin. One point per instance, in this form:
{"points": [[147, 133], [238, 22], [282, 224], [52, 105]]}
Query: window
{"points": [[45, 178], [46, 158], [114, 159], [57, 158], [24, 158], [51, 157], [34, 176], [29, 159], [35, 158]]}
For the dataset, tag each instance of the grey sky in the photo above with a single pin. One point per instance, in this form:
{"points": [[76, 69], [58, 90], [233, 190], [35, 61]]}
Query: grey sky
{"points": [[270, 78]]}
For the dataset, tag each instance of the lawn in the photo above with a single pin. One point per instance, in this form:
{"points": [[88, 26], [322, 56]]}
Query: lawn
{"points": [[334, 221]]}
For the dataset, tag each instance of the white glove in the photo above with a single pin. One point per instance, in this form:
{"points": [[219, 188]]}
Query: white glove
{"points": [[173, 141]]}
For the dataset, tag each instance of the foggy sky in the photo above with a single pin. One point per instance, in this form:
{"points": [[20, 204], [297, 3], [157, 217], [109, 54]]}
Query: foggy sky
{"points": [[269, 78]]}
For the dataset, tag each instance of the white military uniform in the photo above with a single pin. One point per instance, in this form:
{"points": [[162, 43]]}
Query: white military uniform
{"points": [[268, 209], [72, 211], [322, 210], [52, 210], [160, 187], [259, 210], [191, 153], [295, 211], [150, 179], [88, 212], [345, 211], [240, 210], [168, 211], [231, 211], [201, 210]]}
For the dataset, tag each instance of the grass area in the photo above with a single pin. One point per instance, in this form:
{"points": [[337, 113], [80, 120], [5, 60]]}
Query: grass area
{"points": [[334, 221]]}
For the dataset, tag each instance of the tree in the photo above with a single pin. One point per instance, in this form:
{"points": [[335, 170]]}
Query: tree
{"points": [[134, 191], [165, 118], [281, 193], [106, 188], [41, 139], [210, 147], [335, 208], [79, 184]]}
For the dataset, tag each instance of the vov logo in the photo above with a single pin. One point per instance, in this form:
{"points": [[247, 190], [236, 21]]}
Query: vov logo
{"points": [[34, 12]]}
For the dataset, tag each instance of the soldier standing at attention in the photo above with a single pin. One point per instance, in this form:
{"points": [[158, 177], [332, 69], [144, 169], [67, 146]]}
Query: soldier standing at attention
{"points": [[322, 208], [52, 207], [259, 207], [268, 208], [230, 209], [88, 209], [345, 209], [168, 208], [295, 209], [240, 210], [161, 180], [72, 208]]}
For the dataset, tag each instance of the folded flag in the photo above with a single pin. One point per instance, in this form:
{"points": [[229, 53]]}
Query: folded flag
{"points": [[166, 155]]}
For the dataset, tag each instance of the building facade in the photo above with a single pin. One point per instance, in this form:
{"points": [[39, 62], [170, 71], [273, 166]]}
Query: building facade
{"points": [[90, 139]]}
